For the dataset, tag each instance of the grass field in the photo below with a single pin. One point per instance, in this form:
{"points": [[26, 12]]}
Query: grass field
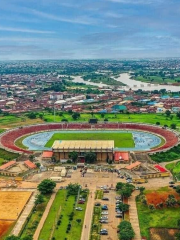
{"points": [[5, 155], [120, 139], [160, 218], [175, 169], [61, 209], [96, 225], [34, 218], [14, 121]]}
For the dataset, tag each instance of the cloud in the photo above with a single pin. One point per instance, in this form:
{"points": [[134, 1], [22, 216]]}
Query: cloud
{"points": [[79, 20], [24, 30], [144, 2]]}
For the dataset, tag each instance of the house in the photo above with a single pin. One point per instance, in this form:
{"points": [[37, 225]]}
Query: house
{"points": [[119, 108]]}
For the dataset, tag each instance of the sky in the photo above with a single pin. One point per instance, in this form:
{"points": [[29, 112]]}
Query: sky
{"points": [[89, 29]]}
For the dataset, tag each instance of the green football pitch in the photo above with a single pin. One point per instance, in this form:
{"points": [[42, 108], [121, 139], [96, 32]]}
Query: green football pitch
{"points": [[121, 140]]}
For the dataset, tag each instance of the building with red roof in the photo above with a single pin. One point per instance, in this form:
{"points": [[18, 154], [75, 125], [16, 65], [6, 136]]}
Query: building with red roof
{"points": [[7, 165], [47, 155], [30, 164], [159, 168], [121, 157]]}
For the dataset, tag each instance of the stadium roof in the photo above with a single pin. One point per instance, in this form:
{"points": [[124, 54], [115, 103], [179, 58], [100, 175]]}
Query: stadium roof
{"points": [[85, 144]]}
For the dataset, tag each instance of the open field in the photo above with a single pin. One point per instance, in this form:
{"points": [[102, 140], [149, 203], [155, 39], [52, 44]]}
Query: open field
{"points": [[5, 155], [12, 204], [14, 121], [156, 197], [175, 169], [120, 139], [158, 218], [170, 155], [5, 227], [58, 219], [163, 233]]}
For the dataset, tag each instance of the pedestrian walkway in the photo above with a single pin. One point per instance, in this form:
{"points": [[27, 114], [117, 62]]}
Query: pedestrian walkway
{"points": [[45, 214], [27, 210], [85, 235], [134, 215]]}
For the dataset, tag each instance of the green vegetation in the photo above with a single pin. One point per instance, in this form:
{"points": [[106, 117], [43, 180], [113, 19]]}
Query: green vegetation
{"points": [[175, 169], [48, 116], [34, 218], [46, 186], [170, 155], [19, 143], [101, 78], [99, 194], [166, 218], [7, 156], [62, 219], [120, 139], [96, 225], [125, 189], [126, 231]]}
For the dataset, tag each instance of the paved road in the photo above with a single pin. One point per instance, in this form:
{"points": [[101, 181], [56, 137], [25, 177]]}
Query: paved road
{"points": [[45, 214], [27, 210], [88, 216], [134, 216]]}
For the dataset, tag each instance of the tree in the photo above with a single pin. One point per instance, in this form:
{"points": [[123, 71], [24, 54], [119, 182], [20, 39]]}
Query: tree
{"points": [[126, 231], [178, 115], [76, 115], [151, 207], [27, 238], [74, 156], [126, 192], [173, 126], [90, 157], [39, 199], [158, 123], [141, 189], [102, 115], [123, 207], [31, 157], [73, 189], [168, 113], [38, 165], [178, 223], [12, 237], [177, 236], [31, 115], [46, 186]]}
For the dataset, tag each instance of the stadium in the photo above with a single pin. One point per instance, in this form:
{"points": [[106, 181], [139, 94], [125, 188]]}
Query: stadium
{"points": [[126, 136]]}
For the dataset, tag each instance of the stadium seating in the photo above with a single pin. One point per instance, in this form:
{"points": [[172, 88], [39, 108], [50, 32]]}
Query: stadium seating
{"points": [[8, 139]]}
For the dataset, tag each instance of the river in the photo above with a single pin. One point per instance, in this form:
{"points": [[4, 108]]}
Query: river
{"points": [[130, 83]]}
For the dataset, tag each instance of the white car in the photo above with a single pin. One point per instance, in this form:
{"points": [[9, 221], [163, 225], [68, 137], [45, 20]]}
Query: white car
{"points": [[104, 213], [104, 217]]}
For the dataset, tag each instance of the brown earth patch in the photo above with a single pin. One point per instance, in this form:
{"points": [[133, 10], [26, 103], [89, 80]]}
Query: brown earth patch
{"points": [[158, 197], [4, 227], [162, 233]]}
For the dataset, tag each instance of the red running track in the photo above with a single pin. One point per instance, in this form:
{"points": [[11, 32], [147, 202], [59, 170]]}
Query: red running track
{"points": [[8, 139]]}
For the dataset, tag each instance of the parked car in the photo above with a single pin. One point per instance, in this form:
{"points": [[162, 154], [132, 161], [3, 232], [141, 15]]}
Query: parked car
{"points": [[106, 191], [104, 208], [103, 221], [104, 218], [80, 202], [103, 233], [79, 209], [97, 204], [105, 199], [119, 216], [104, 213], [171, 185], [171, 182], [174, 187]]}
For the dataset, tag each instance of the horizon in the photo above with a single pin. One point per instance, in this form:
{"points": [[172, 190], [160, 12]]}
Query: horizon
{"points": [[86, 30]]}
